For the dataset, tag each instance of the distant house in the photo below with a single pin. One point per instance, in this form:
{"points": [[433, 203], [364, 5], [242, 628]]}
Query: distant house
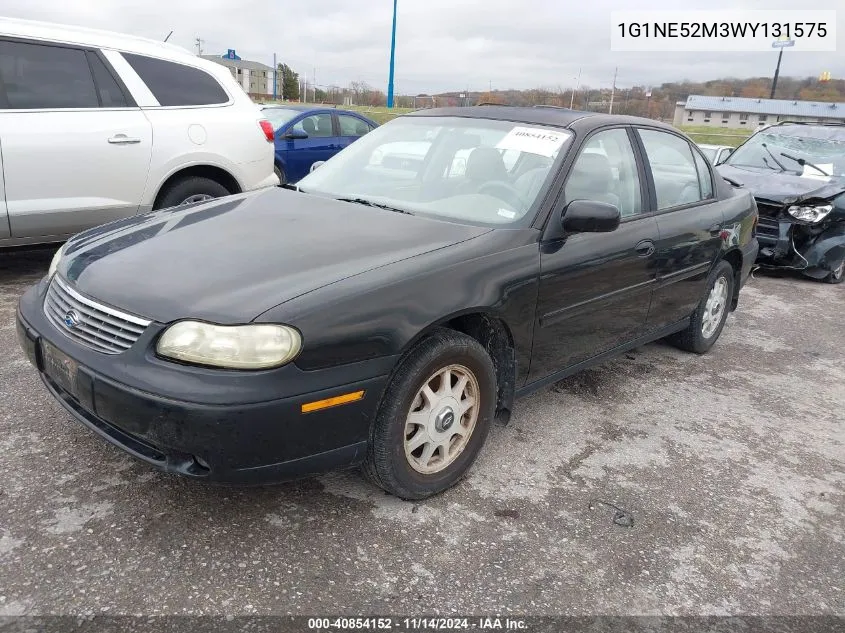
{"points": [[738, 112], [255, 78]]}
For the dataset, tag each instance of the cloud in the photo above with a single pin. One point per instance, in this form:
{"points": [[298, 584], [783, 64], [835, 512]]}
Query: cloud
{"points": [[441, 44]]}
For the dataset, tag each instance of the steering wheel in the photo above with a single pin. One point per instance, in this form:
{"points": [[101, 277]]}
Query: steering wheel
{"points": [[504, 191]]}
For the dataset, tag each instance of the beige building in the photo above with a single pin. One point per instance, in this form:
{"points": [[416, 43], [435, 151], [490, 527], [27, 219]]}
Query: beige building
{"points": [[739, 112], [255, 78]]}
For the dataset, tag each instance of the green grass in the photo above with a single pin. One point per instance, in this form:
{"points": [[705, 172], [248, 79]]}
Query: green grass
{"points": [[716, 136]]}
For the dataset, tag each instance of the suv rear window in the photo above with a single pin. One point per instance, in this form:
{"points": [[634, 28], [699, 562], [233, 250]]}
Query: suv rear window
{"points": [[175, 84], [43, 76]]}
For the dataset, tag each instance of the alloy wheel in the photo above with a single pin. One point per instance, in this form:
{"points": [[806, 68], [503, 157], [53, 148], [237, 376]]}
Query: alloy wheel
{"points": [[199, 197], [441, 420], [714, 308]]}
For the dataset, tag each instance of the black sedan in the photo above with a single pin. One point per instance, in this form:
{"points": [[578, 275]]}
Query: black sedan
{"points": [[796, 172], [387, 309]]}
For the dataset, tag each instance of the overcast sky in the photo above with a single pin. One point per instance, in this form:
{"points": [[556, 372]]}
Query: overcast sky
{"points": [[441, 44]]}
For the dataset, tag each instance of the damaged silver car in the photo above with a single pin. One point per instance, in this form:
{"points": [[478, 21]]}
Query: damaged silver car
{"points": [[796, 172]]}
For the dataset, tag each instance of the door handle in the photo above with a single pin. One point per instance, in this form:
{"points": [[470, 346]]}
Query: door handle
{"points": [[715, 230], [122, 139], [645, 248]]}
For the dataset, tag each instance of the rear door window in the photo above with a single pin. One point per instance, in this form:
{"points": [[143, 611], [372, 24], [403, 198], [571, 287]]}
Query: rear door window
{"points": [[42, 76], [676, 179], [352, 126], [175, 84], [111, 96]]}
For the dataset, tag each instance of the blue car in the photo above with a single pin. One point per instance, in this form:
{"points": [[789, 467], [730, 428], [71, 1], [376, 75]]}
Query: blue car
{"points": [[305, 135]]}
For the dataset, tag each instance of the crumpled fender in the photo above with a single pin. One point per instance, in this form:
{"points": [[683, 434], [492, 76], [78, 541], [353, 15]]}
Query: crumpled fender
{"points": [[826, 251]]}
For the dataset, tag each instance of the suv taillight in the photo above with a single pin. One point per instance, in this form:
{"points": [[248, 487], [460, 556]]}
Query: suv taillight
{"points": [[267, 128]]}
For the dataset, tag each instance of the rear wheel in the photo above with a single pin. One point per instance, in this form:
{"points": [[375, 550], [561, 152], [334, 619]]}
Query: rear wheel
{"points": [[434, 417], [280, 174], [189, 191], [709, 318], [837, 275]]}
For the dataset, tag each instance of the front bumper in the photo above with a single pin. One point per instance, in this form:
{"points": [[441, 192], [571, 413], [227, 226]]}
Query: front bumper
{"points": [[232, 442]]}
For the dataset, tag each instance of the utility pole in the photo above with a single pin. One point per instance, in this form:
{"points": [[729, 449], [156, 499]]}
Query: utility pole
{"points": [[613, 91], [392, 59], [314, 81], [200, 42], [275, 77], [577, 84], [781, 43], [777, 72]]}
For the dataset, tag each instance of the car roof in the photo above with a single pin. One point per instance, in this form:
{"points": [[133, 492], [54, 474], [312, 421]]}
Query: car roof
{"points": [[298, 107], [292, 106], [540, 115], [81, 36]]}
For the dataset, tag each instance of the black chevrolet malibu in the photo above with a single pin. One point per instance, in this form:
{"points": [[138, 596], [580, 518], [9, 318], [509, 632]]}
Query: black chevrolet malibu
{"points": [[387, 309]]}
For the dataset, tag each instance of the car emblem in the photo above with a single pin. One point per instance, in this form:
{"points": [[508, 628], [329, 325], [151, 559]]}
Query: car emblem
{"points": [[72, 319]]}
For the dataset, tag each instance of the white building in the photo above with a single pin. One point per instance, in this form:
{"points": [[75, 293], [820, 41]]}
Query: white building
{"points": [[738, 112], [255, 78]]}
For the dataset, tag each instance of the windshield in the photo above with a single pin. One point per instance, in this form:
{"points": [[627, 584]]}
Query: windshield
{"points": [[470, 170], [785, 148], [278, 116]]}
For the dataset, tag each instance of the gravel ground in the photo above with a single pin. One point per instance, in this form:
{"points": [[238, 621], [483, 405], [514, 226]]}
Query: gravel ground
{"points": [[731, 467]]}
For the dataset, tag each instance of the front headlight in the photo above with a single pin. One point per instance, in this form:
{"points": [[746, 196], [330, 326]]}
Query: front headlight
{"points": [[54, 263], [254, 346], [810, 214]]}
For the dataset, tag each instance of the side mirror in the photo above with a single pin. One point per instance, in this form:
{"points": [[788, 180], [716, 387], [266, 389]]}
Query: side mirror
{"points": [[316, 164], [590, 216], [294, 135]]}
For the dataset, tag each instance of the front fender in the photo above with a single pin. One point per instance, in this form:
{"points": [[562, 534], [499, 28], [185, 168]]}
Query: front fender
{"points": [[826, 251]]}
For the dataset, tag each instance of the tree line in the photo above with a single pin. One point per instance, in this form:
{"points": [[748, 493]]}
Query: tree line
{"points": [[653, 102]]}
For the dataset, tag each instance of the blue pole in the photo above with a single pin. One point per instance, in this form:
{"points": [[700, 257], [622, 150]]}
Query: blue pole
{"points": [[392, 59]]}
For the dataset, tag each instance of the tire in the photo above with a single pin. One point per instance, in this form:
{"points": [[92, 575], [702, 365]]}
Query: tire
{"points": [[837, 275], [703, 332], [280, 173], [393, 462], [182, 191]]}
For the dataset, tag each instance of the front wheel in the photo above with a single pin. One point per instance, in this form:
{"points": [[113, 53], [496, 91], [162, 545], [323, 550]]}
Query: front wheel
{"points": [[280, 174], [837, 275], [434, 416], [709, 318]]}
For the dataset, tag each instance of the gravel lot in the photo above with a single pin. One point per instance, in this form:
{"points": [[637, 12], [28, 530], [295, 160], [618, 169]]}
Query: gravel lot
{"points": [[731, 465]]}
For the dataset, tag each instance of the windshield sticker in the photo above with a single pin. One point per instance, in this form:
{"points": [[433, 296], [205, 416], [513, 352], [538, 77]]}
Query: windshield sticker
{"points": [[533, 140], [507, 213], [815, 174]]}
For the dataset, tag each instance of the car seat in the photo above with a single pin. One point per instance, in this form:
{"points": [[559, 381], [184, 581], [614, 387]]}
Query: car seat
{"points": [[592, 179], [484, 165], [309, 127], [529, 183]]}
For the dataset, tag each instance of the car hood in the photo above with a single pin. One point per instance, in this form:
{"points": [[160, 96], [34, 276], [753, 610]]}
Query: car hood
{"points": [[782, 188], [231, 259]]}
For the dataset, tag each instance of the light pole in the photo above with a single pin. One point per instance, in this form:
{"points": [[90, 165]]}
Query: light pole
{"points": [[392, 59], [780, 43], [577, 85]]}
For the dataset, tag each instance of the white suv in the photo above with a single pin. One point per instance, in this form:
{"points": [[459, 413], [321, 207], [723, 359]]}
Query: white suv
{"points": [[97, 126]]}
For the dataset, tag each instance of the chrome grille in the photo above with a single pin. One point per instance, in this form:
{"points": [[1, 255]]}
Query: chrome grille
{"points": [[92, 324]]}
